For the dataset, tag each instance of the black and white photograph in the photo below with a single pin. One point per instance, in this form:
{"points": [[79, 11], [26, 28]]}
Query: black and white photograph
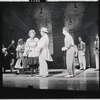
{"points": [[49, 49]]}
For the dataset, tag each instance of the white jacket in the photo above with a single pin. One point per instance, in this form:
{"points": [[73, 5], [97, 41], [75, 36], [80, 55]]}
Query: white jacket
{"points": [[43, 49]]}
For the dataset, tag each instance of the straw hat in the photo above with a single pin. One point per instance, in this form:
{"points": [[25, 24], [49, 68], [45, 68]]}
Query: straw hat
{"points": [[44, 29]]}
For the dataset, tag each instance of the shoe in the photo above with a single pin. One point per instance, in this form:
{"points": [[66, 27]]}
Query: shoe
{"points": [[96, 70], [44, 76], [17, 73], [69, 76], [38, 75], [82, 69]]}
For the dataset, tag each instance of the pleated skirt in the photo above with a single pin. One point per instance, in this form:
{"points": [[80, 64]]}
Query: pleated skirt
{"points": [[32, 61]]}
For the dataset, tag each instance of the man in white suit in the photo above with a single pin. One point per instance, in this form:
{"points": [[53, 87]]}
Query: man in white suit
{"points": [[70, 52], [96, 51], [81, 54], [44, 54]]}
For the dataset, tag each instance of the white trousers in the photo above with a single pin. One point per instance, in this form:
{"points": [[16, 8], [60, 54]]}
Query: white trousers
{"points": [[43, 68], [70, 61], [97, 59], [82, 60]]}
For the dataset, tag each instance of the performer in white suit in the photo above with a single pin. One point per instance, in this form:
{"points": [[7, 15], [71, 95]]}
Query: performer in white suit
{"points": [[81, 54], [70, 52], [44, 54], [96, 51]]}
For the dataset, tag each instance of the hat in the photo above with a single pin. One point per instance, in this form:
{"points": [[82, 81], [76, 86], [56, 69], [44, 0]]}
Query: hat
{"points": [[31, 31], [44, 29]]}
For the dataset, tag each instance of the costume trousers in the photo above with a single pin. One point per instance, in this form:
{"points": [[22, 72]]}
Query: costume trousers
{"points": [[12, 62], [43, 68], [97, 59], [82, 60], [70, 61]]}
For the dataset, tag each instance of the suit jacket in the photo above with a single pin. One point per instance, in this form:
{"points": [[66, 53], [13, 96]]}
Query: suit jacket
{"points": [[68, 41], [12, 50], [82, 46], [96, 45], [43, 49]]}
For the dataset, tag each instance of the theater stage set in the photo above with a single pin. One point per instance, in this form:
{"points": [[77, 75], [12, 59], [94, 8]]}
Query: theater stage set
{"points": [[81, 18], [87, 80]]}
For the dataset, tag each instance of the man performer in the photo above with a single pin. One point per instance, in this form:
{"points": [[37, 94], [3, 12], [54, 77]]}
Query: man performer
{"points": [[12, 52], [96, 51], [44, 54], [70, 52], [81, 54]]}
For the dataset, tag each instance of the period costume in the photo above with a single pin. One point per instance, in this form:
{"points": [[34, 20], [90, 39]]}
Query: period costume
{"points": [[70, 53], [81, 55], [96, 53], [76, 62], [31, 53], [44, 54], [12, 53], [4, 59], [20, 51]]}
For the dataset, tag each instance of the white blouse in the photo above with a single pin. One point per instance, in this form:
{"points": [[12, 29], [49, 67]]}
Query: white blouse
{"points": [[30, 47], [20, 49]]}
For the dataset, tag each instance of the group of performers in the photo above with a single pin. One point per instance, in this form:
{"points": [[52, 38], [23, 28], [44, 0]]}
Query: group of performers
{"points": [[34, 53]]}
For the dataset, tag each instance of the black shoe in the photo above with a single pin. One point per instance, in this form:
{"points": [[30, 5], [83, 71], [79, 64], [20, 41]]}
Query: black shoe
{"points": [[82, 69], [17, 73], [96, 70]]}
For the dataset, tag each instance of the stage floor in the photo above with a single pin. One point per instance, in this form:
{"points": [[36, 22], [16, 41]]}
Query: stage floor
{"points": [[87, 80]]}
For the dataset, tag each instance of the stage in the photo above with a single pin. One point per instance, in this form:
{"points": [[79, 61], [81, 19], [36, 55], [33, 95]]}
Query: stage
{"points": [[87, 80]]}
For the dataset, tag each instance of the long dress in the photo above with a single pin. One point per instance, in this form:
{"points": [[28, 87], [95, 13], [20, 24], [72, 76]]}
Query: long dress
{"points": [[20, 50]]}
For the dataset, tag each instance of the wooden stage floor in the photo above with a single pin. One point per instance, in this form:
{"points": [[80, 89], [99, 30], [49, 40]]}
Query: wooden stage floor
{"points": [[87, 80]]}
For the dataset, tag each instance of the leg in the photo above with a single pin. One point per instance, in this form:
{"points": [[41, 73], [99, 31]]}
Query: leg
{"points": [[43, 67], [80, 59], [84, 62], [18, 71], [12, 64], [70, 61], [31, 69], [36, 68], [97, 60]]}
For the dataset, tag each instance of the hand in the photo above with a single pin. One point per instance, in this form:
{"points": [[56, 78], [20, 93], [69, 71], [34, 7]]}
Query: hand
{"points": [[83, 54], [17, 57], [63, 49], [12, 53], [6, 53], [75, 55], [4, 50], [24, 56]]}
